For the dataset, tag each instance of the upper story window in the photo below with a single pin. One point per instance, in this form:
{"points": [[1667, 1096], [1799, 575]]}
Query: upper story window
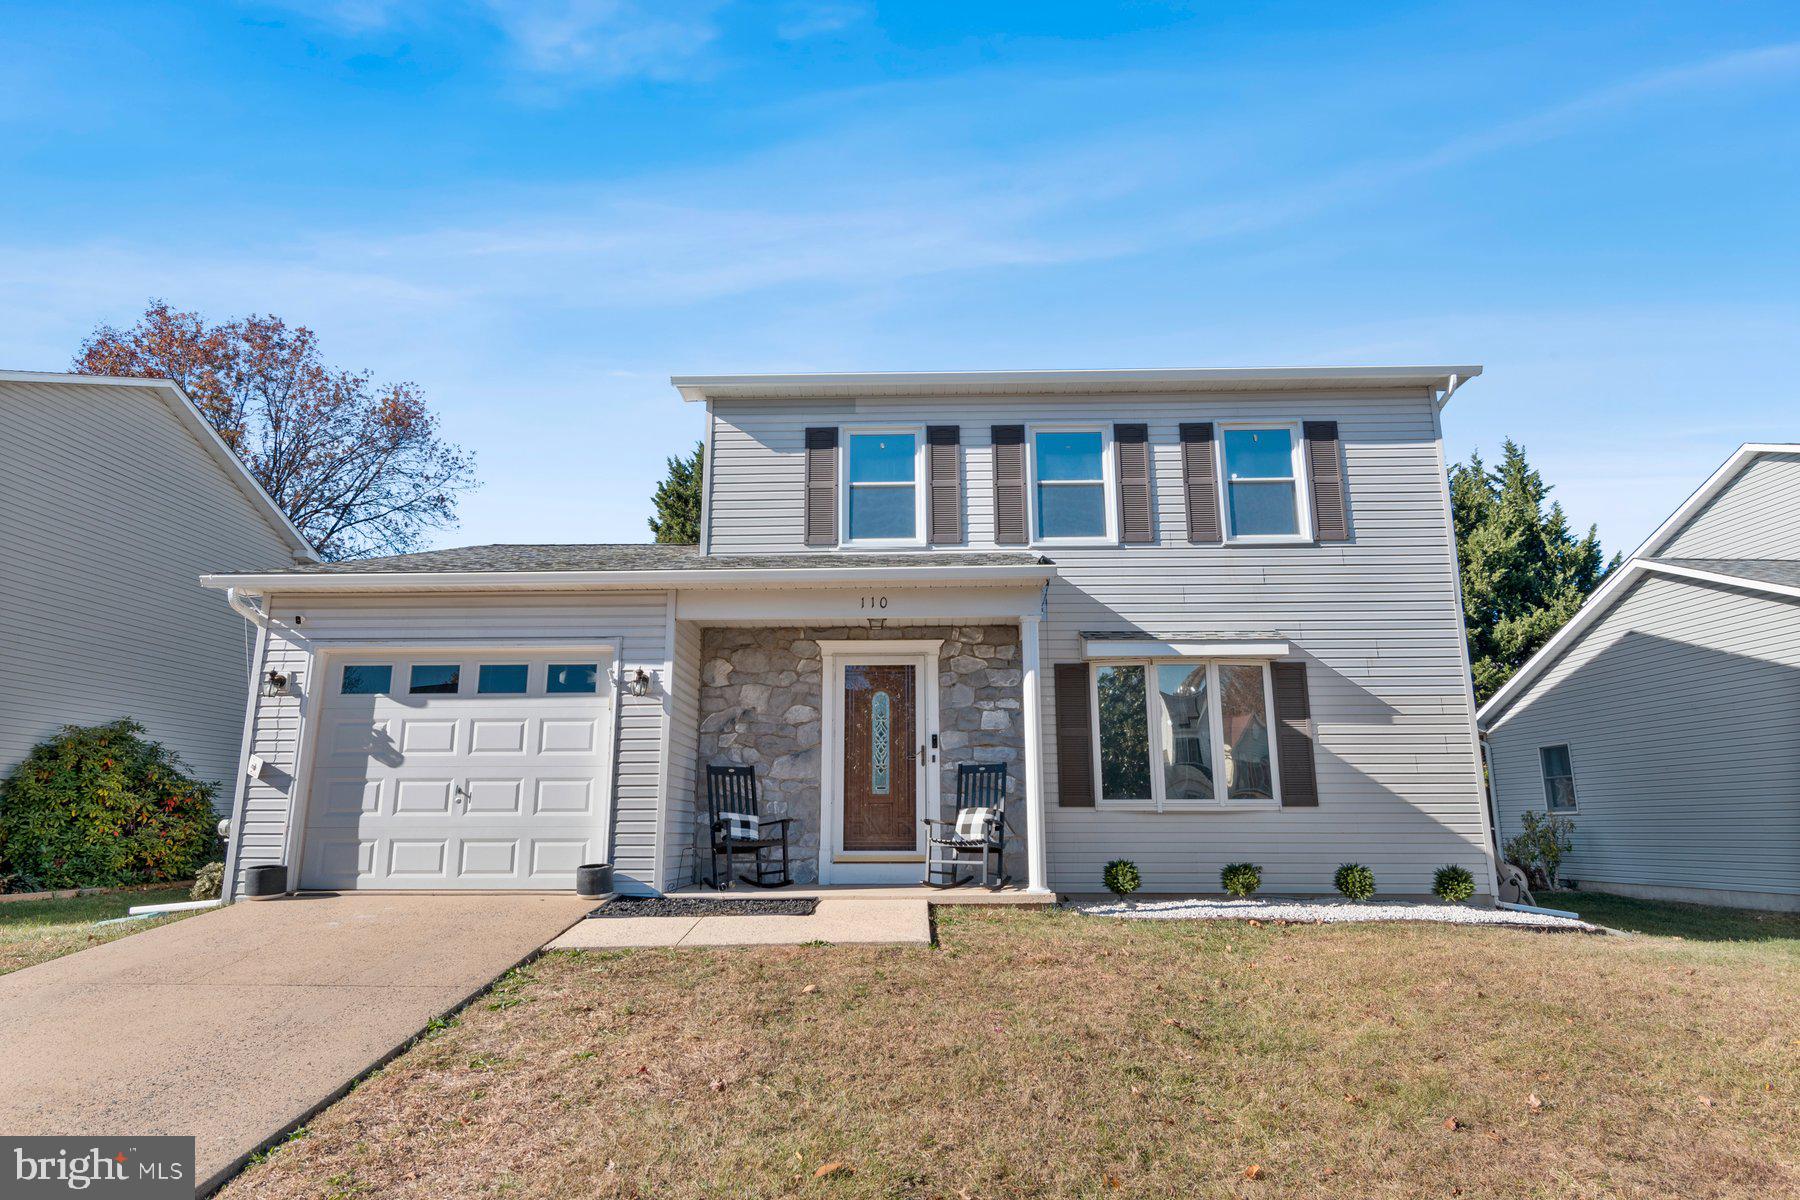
{"points": [[1184, 734], [1070, 485], [881, 492], [1559, 778], [1262, 483]]}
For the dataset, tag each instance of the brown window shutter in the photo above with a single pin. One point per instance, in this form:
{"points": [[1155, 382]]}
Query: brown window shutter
{"points": [[1132, 444], [821, 486], [1009, 485], [943, 462], [1294, 736], [1074, 737], [1325, 472], [1200, 480]]}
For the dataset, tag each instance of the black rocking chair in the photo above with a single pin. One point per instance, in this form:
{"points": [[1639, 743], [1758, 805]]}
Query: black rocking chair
{"points": [[735, 826], [949, 845]]}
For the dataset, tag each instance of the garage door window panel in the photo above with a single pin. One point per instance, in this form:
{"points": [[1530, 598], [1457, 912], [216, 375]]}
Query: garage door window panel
{"points": [[576, 678], [366, 679], [502, 679], [435, 679]]}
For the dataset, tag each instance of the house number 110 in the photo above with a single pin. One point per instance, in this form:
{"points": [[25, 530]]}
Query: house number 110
{"points": [[874, 602]]}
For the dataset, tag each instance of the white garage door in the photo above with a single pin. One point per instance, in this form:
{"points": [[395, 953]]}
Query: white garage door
{"points": [[458, 770]]}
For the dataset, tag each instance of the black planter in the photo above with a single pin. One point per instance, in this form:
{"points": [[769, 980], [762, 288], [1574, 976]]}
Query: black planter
{"points": [[262, 882], [593, 879]]}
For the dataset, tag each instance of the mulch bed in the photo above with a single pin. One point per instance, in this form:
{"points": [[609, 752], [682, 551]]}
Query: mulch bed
{"points": [[671, 906]]}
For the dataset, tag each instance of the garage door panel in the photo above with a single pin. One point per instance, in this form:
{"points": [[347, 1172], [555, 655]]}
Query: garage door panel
{"points": [[466, 789]]}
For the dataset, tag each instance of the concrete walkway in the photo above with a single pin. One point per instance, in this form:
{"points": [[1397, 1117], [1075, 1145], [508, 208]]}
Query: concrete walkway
{"points": [[235, 1024], [842, 919]]}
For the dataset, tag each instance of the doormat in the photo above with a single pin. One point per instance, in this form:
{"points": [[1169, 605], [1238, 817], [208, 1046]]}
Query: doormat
{"points": [[689, 906]]}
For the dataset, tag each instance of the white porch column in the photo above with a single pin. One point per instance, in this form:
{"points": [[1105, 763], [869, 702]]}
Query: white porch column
{"points": [[1036, 867]]}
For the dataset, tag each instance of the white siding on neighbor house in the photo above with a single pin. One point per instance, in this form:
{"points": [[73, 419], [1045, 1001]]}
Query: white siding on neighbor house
{"points": [[1681, 711], [638, 620], [1756, 516], [109, 513], [682, 683], [1377, 620]]}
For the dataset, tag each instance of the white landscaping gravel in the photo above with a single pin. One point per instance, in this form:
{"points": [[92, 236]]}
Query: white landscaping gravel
{"points": [[1329, 912]]}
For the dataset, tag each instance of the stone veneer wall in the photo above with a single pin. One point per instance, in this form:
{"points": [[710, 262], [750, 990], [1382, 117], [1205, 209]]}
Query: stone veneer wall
{"points": [[760, 695]]}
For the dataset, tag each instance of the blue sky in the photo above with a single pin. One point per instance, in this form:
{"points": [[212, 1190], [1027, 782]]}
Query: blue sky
{"points": [[541, 211]]}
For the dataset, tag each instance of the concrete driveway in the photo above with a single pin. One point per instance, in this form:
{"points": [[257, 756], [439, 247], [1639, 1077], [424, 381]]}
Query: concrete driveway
{"points": [[232, 1025]]}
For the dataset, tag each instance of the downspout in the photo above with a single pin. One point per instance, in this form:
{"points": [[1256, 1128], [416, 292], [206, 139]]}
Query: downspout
{"points": [[240, 794], [1455, 382]]}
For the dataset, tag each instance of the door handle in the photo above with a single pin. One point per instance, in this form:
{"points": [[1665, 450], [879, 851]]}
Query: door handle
{"points": [[921, 754]]}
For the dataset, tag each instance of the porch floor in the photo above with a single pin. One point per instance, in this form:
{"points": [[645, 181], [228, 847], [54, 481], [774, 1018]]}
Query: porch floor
{"points": [[913, 891]]}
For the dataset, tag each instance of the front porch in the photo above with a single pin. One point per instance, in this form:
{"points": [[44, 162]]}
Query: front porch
{"points": [[856, 725]]}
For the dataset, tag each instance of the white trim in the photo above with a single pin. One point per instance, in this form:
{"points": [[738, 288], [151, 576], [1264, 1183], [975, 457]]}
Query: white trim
{"points": [[837, 865], [917, 484], [1108, 648], [316, 682], [241, 792], [1031, 698], [1158, 801], [1722, 577], [653, 580], [1302, 486], [1496, 712], [665, 765], [198, 427], [1109, 484], [697, 388], [706, 484]]}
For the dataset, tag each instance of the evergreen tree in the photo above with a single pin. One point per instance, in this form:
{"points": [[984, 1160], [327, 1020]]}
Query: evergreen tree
{"points": [[1523, 572], [677, 500]]}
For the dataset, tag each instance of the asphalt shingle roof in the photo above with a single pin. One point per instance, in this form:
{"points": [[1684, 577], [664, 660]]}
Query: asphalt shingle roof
{"points": [[1783, 571], [640, 557]]}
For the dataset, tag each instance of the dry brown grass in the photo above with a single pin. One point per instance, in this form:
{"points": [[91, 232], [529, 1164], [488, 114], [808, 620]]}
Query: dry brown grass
{"points": [[1055, 1055]]}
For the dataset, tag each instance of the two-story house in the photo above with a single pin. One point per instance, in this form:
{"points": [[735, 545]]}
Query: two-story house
{"points": [[1203, 615]]}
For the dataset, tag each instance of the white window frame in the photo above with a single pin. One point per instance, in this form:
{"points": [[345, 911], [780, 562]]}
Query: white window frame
{"points": [[918, 485], [1302, 491], [1157, 801], [1544, 779], [1109, 484]]}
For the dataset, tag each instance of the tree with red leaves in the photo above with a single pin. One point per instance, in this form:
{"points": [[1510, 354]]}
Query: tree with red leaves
{"points": [[358, 467]]}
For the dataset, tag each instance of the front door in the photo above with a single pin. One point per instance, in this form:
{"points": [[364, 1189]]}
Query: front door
{"points": [[880, 774]]}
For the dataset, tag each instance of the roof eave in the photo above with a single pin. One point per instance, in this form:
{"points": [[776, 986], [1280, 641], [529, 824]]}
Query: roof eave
{"points": [[703, 388], [655, 580]]}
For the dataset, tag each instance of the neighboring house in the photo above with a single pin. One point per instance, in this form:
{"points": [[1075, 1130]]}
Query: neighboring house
{"points": [[114, 495], [1204, 616], [1664, 719]]}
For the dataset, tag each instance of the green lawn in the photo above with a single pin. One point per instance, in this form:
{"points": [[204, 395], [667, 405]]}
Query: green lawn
{"points": [[35, 931], [1048, 1054], [1770, 935]]}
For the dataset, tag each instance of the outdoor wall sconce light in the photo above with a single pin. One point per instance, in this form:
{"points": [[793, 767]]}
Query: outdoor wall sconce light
{"points": [[638, 684], [277, 684]]}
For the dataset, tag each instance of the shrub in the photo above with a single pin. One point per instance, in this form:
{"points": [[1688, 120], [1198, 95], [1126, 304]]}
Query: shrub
{"points": [[101, 806], [1453, 884], [1121, 877], [1240, 879], [209, 882], [1356, 881], [1538, 850]]}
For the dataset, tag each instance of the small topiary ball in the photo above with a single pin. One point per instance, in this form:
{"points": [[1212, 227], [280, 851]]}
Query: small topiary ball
{"points": [[1121, 877], [1355, 881], [209, 882], [1240, 879], [1453, 884]]}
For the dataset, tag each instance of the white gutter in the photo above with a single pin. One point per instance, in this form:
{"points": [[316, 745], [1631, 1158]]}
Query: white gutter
{"points": [[235, 597], [1450, 387], [661, 580]]}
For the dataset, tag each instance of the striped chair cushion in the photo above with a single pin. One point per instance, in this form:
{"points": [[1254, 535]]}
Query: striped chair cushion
{"points": [[740, 827], [972, 824]]}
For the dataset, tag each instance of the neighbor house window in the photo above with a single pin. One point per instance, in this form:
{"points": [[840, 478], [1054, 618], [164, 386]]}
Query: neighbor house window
{"points": [[1184, 734], [501, 679], [434, 680], [369, 679], [576, 677], [882, 487], [1070, 483], [1262, 488], [1559, 778]]}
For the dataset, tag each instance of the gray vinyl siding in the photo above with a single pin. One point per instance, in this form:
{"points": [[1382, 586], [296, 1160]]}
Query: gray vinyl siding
{"points": [[109, 513], [1681, 710], [638, 620], [683, 753], [1377, 619], [1756, 516]]}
